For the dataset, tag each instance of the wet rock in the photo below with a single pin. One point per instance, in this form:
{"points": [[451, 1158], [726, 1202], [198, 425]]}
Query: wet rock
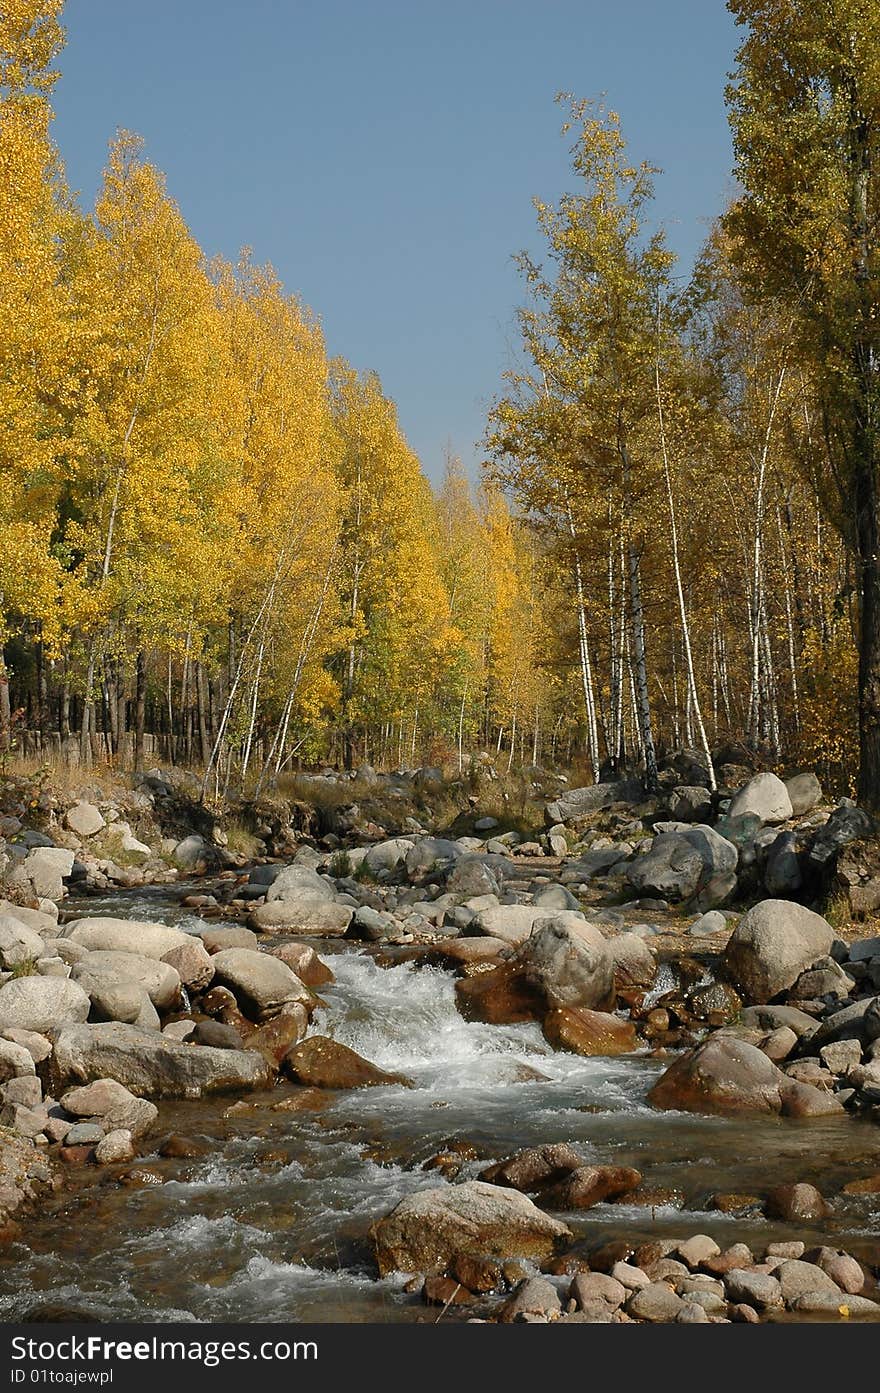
{"points": [[534, 1168], [771, 946], [589, 1185], [324, 1063], [278, 1036], [302, 959], [799, 1203], [844, 1272], [723, 1075], [535, 1296], [729, 1202], [634, 963], [262, 984], [41, 1004], [445, 1291], [180, 1148], [656, 1303], [139, 936], [805, 1100], [584, 1032], [427, 1231], [502, 996], [769, 1018], [148, 1064], [716, 1003], [218, 1035]]}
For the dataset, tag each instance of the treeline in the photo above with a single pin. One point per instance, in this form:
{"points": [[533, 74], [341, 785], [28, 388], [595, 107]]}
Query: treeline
{"points": [[211, 532]]}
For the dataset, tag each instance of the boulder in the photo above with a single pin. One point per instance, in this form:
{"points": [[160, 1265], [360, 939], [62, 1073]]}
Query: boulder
{"points": [[386, 856], [634, 963], [192, 963], [846, 824], [41, 1003], [690, 803], [534, 1168], [221, 936], [84, 820], [320, 1062], [589, 1185], [796, 1277], [804, 792], [580, 1031], [695, 863], [512, 923], [500, 997], [472, 876], [771, 946], [782, 873], [426, 1231], [157, 979], [302, 959], [430, 854], [40, 920], [758, 1289], [46, 868], [298, 883], [533, 1296], [18, 943], [141, 936], [765, 796], [262, 984], [16, 1062], [277, 1037], [722, 1075], [656, 1303], [114, 1147], [578, 803], [191, 852], [568, 960], [796, 1204], [322, 918], [149, 1064]]}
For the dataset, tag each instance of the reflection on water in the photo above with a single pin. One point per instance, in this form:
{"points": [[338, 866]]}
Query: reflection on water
{"points": [[272, 1223]]}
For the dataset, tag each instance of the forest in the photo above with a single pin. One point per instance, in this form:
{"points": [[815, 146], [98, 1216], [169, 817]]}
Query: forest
{"points": [[214, 534]]}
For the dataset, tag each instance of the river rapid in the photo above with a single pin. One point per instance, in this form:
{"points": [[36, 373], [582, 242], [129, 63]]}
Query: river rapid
{"points": [[271, 1221]]}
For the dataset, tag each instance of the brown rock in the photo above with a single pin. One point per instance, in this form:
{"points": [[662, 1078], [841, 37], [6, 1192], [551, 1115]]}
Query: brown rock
{"points": [[500, 997], [324, 1063], [534, 1168], [869, 1185], [723, 1075], [181, 1148], [732, 1258], [445, 1291], [796, 1203], [275, 1039], [585, 1032], [591, 1185], [302, 959], [477, 1274]]}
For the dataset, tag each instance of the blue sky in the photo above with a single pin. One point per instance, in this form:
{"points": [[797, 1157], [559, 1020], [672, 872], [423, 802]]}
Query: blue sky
{"points": [[383, 155]]}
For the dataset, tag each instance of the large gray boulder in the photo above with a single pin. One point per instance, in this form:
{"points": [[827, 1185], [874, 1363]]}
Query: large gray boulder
{"points": [[771, 946], [318, 918], [805, 793], [633, 962], [40, 920], [846, 824], [427, 1231], [430, 854], [782, 873], [141, 936], [578, 803], [158, 980], [261, 983], [46, 868], [695, 863], [41, 1003], [84, 819], [512, 923], [388, 855], [18, 943], [766, 796], [569, 961], [150, 1065], [298, 883]]}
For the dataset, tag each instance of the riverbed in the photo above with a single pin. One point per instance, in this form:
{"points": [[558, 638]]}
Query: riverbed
{"points": [[271, 1221]]}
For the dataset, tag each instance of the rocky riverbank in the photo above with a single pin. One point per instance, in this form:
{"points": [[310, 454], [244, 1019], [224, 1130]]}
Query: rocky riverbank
{"points": [[616, 928]]}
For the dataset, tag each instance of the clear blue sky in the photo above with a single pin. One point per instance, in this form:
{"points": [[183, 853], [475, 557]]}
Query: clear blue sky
{"points": [[383, 154]]}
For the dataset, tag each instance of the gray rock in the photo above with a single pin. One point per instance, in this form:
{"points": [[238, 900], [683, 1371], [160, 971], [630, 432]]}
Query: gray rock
{"points": [[430, 854], [634, 963], [18, 943], [765, 796], [578, 803], [41, 1003], [690, 803], [474, 876], [428, 1229], [83, 1134], [534, 1296], [656, 1303], [510, 922], [157, 979], [46, 868], [782, 873], [15, 1062], [141, 936], [191, 852], [757, 1289], [797, 1278], [826, 1302], [771, 946], [387, 856], [149, 1064], [261, 983], [569, 960], [319, 918], [846, 824], [299, 883], [712, 922], [692, 864], [804, 792], [84, 819], [553, 898], [114, 1147]]}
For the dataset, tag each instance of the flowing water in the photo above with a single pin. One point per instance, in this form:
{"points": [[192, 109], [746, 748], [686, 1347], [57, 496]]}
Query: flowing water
{"points": [[272, 1222]]}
